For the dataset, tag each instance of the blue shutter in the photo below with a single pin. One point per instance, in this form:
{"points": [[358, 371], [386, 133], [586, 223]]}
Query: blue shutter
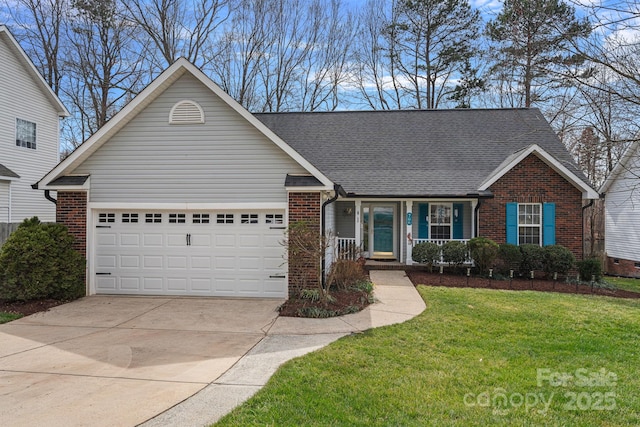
{"points": [[458, 222], [423, 222], [548, 224], [512, 223]]}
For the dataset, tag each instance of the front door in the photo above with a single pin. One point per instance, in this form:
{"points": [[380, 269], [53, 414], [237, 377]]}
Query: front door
{"points": [[380, 230]]}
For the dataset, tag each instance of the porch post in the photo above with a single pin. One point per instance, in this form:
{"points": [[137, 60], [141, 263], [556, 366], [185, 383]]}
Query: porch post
{"points": [[474, 203], [409, 228], [358, 209]]}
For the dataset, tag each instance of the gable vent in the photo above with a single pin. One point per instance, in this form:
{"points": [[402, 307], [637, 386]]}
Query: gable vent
{"points": [[186, 112]]}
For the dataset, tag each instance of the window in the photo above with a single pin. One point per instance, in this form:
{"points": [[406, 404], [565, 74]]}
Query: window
{"points": [[152, 218], [177, 218], [25, 134], [224, 218], [274, 219], [529, 223], [106, 217], [201, 218], [249, 219], [440, 221], [129, 217]]}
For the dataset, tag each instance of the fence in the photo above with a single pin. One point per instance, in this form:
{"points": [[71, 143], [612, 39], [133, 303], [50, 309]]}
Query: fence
{"points": [[6, 229]]}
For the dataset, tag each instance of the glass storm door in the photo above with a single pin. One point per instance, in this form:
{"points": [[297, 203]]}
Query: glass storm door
{"points": [[383, 219]]}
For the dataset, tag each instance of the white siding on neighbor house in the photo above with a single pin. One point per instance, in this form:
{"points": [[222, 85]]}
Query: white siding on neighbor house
{"points": [[622, 214], [224, 160], [22, 97]]}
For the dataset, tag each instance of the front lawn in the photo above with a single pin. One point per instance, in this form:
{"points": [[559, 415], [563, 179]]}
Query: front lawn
{"points": [[624, 283], [8, 317], [474, 357]]}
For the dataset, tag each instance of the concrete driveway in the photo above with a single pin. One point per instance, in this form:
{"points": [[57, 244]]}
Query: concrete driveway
{"points": [[121, 360]]}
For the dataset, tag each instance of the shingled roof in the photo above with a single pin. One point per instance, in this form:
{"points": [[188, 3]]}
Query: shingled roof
{"points": [[415, 152]]}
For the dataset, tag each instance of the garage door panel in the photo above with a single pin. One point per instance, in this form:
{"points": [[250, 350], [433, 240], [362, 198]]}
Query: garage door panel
{"points": [[229, 258]]}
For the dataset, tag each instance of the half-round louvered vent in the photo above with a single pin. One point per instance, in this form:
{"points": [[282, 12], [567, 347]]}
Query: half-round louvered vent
{"points": [[186, 112]]}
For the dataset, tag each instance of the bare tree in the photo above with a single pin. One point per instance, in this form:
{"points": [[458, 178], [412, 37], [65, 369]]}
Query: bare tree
{"points": [[175, 28], [103, 63], [42, 26]]}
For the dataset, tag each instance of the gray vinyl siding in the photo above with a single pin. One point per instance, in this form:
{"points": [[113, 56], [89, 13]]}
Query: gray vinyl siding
{"points": [[224, 160], [21, 96], [4, 201], [345, 223], [622, 214]]}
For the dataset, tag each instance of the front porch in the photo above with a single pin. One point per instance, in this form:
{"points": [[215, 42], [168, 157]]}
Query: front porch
{"points": [[387, 230]]}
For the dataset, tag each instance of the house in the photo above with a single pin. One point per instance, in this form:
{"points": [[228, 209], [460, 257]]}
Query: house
{"points": [[30, 115], [621, 192], [184, 192]]}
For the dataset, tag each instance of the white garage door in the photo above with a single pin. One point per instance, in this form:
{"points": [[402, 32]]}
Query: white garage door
{"points": [[235, 254]]}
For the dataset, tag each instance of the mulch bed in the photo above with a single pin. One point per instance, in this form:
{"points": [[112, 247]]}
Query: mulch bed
{"points": [[343, 300], [29, 307], [517, 284]]}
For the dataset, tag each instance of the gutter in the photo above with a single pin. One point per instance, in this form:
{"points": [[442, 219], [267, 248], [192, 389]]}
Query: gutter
{"points": [[477, 218], [47, 193], [323, 219]]}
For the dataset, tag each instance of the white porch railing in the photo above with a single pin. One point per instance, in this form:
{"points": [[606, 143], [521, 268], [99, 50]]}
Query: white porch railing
{"points": [[347, 248], [441, 242]]}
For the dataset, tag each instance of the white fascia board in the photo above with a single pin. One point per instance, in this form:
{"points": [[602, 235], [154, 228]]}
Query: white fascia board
{"points": [[188, 206], [620, 167], [587, 191], [148, 94], [49, 93], [8, 178], [310, 189]]}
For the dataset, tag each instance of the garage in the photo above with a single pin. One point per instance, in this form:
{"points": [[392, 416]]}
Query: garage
{"points": [[190, 253]]}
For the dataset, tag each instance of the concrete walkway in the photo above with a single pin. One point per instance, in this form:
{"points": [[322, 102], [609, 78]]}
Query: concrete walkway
{"points": [[397, 302]]}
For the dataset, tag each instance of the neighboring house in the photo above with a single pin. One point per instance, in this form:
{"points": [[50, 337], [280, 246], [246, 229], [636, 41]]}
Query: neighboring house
{"points": [[29, 134], [621, 193], [184, 192]]}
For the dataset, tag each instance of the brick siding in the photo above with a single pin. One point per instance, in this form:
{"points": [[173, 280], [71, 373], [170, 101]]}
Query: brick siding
{"points": [[532, 181], [71, 210], [623, 267], [303, 273]]}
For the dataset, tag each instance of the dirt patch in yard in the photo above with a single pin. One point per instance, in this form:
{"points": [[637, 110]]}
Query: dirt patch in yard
{"points": [[518, 284], [27, 308]]}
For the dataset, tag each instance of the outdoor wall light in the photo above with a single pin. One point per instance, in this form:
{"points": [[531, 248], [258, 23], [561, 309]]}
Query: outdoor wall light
{"points": [[348, 211]]}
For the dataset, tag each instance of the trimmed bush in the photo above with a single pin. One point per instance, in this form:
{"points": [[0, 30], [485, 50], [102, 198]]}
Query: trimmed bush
{"points": [[509, 258], [533, 257], [590, 267], [426, 253], [37, 262], [454, 252], [558, 259], [483, 252]]}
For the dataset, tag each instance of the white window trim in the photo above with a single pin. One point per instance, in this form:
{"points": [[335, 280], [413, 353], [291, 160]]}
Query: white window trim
{"points": [[539, 225], [449, 224], [35, 136]]}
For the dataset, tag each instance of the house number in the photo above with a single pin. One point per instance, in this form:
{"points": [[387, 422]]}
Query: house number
{"points": [[409, 218]]}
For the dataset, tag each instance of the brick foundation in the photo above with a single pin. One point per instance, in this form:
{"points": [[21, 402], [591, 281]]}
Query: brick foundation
{"points": [[622, 267], [71, 210], [303, 273], [532, 181]]}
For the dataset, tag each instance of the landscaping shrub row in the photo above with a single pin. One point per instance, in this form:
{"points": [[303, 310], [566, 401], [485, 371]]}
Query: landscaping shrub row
{"points": [[506, 259]]}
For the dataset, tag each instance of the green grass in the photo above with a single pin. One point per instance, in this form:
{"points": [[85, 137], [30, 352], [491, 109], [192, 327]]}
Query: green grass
{"points": [[473, 344], [624, 283], [8, 317]]}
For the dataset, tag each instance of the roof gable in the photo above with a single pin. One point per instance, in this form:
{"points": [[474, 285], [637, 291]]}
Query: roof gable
{"points": [[148, 96], [621, 167], [587, 191], [14, 46]]}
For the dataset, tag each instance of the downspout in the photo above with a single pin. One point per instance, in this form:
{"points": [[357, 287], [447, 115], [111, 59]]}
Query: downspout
{"points": [[323, 220], [475, 213], [583, 209], [47, 194]]}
